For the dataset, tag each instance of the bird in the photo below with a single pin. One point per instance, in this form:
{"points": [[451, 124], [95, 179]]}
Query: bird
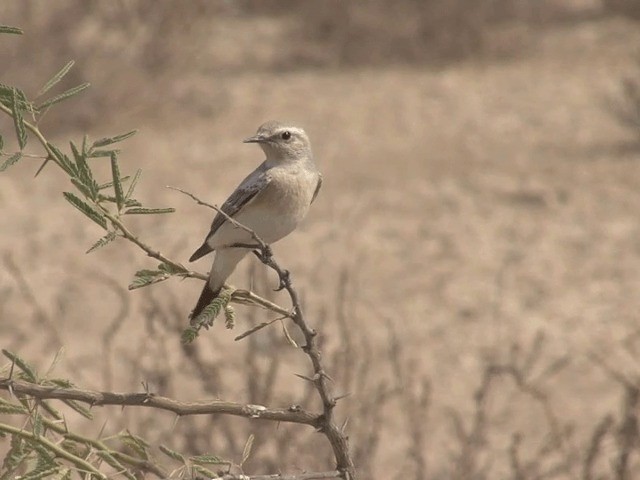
{"points": [[271, 201]]}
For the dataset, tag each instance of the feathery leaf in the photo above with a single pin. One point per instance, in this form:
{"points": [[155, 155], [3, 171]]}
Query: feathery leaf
{"points": [[148, 211], [56, 78], [63, 96], [108, 238], [117, 183], [86, 209], [133, 184], [11, 30], [103, 142], [18, 121], [10, 161], [143, 278], [172, 454], [29, 371]]}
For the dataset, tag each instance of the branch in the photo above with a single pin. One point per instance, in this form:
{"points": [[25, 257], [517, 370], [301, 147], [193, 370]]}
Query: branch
{"points": [[320, 379], [95, 398]]}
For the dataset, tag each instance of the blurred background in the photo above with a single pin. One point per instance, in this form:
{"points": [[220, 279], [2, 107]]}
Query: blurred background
{"points": [[472, 261]]}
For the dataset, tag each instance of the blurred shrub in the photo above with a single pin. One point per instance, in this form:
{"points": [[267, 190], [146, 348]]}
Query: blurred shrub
{"points": [[628, 8], [377, 32]]}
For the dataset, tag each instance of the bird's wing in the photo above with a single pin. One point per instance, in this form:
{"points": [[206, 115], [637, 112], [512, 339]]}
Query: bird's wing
{"points": [[247, 190], [315, 193]]}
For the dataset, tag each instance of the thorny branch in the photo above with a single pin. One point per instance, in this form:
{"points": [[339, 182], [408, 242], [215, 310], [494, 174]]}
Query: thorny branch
{"points": [[320, 378], [94, 398]]}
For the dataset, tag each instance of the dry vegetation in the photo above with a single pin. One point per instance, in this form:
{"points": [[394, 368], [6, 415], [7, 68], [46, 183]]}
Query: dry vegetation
{"points": [[472, 262]]}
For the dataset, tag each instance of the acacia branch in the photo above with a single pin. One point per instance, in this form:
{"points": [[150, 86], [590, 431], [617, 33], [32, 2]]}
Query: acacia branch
{"points": [[320, 379], [95, 398]]}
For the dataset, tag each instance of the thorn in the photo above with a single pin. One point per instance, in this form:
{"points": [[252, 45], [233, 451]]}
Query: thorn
{"points": [[340, 397], [344, 425], [46, 160], [13, 364], [304, 377]]}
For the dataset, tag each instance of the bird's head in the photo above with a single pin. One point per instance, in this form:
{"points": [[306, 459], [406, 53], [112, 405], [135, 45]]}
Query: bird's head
{"points": [[282, 142]]}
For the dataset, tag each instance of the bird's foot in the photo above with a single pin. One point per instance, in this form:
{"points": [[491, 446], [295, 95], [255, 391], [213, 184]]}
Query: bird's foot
{"points": [[284, 281]]}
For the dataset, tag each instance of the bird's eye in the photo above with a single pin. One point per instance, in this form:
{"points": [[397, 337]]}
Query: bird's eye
{"points": [[286, 135]]}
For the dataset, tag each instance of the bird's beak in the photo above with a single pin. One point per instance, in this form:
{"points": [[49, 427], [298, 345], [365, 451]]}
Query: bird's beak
{"points": [[258, 138]]}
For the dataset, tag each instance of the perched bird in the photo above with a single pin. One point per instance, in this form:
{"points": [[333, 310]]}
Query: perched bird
{"points": [[271, 201]]}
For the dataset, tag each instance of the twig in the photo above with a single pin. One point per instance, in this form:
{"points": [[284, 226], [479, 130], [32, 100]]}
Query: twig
{"points": [[260, 326]]}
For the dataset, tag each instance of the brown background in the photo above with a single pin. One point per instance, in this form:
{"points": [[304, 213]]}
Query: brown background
{"points": [[480, 207]]}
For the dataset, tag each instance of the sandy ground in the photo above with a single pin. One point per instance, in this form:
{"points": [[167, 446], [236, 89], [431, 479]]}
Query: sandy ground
{"points": [[473, 207]]}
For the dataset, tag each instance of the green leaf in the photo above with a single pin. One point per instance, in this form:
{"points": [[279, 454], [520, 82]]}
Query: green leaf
{"points": [[137, 444], [211, 311], [82, 187], [15, 456], [165, 267], [63, 96], [62, 160], [29, 371], [101, 153], [40, 472], [10, 161], [148, 211], [1, 143], [37, 425], [189, 334], [117, 183], [208, 460], [103, 142], [85, 148], [84, 172], [102, 186], [172, 454], [63, 474], [56, 78], [205, 471], [86, 209], [18, 121], [108, 238], [133, 184], [113, 462], [11, 30], [9, 408], [247, 449], [144, 278]]}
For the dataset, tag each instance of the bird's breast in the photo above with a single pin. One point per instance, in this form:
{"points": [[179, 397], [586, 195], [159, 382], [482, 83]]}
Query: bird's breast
{"points": [[282, 205]]}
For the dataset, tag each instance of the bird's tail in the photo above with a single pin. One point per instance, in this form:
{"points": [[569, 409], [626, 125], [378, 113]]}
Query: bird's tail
{"points": [[206, 297]]}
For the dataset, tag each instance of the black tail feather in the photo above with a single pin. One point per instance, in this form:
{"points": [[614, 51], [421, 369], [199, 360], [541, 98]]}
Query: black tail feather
{"points": [[206, 297]]}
